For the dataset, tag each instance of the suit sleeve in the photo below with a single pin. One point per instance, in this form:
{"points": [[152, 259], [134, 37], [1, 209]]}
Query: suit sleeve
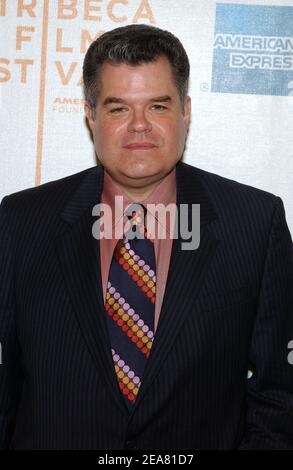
{"points": [[269, 418], [10, 371]]}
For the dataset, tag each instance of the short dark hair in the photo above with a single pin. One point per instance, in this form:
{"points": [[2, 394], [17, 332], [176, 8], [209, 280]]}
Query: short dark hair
{"points": [[134, 44]]}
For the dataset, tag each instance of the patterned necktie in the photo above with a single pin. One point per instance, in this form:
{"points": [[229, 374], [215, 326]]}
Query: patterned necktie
{"points": [[130, 303]]}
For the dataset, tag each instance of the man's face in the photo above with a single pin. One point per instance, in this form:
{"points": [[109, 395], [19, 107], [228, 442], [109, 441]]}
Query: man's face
{"points": [[139, 129]]}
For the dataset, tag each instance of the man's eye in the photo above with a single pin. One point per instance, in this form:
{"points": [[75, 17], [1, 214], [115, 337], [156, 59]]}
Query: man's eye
{"points": [[117, 110], [158, 107]]}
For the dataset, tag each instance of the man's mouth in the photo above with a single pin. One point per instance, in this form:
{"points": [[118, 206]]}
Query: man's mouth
{"points": [[140, 146]]}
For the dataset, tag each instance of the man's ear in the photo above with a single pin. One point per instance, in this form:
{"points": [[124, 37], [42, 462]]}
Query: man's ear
{"points": [[187, 111], [89, 114]]}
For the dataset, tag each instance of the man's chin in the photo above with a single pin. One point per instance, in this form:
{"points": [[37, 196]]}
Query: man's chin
{"points": [[141, 175]]}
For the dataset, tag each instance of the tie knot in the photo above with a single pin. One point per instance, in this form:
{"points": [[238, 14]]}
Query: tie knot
{"points": [[136, 213]]}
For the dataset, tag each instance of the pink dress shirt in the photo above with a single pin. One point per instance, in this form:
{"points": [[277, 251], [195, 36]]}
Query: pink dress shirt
{"points": [[163, 193]]}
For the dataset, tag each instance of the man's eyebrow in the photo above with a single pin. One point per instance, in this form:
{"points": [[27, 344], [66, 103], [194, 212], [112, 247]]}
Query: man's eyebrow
{"points": [[112, 99], [160, 99]]}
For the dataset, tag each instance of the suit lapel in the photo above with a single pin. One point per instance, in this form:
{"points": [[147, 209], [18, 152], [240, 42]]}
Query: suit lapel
{"points": [[79, 255], [79, 258], [186, 274]]}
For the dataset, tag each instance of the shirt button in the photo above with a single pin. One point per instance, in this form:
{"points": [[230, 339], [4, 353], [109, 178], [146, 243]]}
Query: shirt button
{"points": [[130, 445]]}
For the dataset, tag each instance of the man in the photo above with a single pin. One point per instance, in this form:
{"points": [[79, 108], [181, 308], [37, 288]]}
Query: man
{"points": [[83, 366]]}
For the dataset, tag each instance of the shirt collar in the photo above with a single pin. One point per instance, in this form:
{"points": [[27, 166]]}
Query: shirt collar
{"points": [[164, 193]]}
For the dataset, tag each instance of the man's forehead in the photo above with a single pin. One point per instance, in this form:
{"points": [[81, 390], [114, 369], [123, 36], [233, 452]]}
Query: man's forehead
{"points": [[153, 79], [125, 70]]}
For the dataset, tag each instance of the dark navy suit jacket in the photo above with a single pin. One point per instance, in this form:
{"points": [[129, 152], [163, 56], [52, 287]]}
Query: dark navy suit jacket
{"points": [[228, 307]]}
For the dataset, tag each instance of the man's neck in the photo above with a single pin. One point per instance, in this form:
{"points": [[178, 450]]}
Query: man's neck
{"points": [[139, 193]]}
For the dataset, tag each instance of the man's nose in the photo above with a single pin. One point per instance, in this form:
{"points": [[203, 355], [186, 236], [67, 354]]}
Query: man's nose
{"points": [[139, 122]]}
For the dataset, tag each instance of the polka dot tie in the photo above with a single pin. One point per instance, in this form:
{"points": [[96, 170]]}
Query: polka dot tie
{"points": [[130, 303]]}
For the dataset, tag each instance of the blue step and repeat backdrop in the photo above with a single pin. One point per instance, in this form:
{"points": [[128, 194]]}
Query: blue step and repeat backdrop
{"points": [[241, 55]]}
